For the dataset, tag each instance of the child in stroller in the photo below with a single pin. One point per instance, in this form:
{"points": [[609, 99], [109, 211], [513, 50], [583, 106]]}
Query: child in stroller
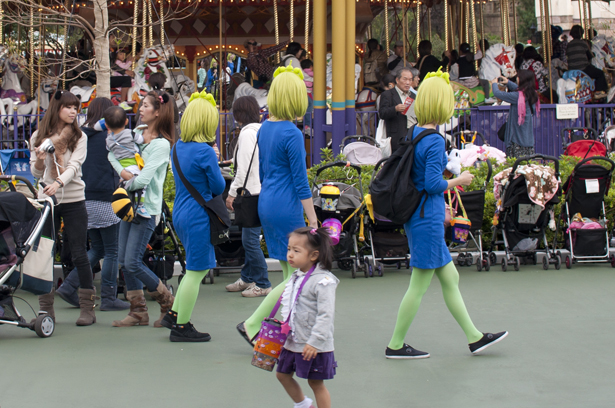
{"points": [[23, 227]]}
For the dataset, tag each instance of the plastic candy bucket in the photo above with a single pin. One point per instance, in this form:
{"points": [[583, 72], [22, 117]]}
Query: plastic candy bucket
{"points": [[334, 227]]}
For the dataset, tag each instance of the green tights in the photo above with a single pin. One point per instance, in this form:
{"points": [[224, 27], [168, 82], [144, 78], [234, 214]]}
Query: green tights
{"points": [[419, 282], [253, 324], [186, 295]]}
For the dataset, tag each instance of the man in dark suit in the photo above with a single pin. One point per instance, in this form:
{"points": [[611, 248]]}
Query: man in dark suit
{"points": [[396, 107]]}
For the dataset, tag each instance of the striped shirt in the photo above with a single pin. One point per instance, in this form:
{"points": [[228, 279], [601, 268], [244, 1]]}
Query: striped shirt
{"points": [[577, 53]]}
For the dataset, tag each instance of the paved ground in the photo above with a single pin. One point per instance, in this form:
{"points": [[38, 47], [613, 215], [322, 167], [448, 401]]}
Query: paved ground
{"points": [[559, 352]]}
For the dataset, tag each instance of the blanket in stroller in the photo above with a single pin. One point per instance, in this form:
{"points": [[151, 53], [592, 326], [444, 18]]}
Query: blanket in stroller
{"points": [[541, 183]]}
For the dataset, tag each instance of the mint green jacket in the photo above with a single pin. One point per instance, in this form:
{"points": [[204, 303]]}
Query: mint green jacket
{"points": [[156, 157]]}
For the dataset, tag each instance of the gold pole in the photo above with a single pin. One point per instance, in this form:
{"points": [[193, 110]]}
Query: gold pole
{"points": [[31, 52], [482, 25], [467, 15], [404, 28], [451, 39], [429, 22], [144, 32], [543, 27], [134, 33], [580, 14], [307, 24], [446, 44], [162, 24], [474, 39], [549, 48], [1, 22], [418, 25], [386, 25], [150, 27], [515, 20], [275, 22], [292, 19], [585, 12], [220, 66], [589, 15]]}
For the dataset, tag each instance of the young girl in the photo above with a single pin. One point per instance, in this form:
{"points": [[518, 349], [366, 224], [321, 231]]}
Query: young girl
{"points": [[122, 62], [308, 350]]}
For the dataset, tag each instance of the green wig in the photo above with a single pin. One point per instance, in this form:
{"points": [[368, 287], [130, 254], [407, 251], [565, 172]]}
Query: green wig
{"points": [[435, 102], [200, 120], [287, 98]]}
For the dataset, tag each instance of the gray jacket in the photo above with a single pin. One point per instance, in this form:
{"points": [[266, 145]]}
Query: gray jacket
{"points": [[314, 312], [122, 144]]}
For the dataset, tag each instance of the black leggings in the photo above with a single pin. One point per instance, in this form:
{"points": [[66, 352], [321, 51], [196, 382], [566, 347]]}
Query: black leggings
{"points": [[75, 235]]}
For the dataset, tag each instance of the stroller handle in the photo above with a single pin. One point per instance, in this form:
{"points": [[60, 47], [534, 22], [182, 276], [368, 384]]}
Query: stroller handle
{"points": [[376, 168], [593, 135], [24, 180], [489, 172], [368, 139], [340, 164], [536, 157], [472, 133], [596, 158]]}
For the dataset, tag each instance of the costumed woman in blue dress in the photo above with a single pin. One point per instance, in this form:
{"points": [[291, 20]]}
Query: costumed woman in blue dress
{"points": [[434, 106], [285, 192], [199, 164]]}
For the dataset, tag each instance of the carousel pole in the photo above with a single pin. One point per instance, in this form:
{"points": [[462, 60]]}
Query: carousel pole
{"points": [[386, 25], [404, 28], [338, 104], [474, 39], [581, 21], [31, 52], [446, 44], [585, 13], [220, 66], [418, 25], [162, 25], [41, 37], [515, 19], [275, 22], [549, 48], [429, 22], [320, 68], [63, 49], [351, 116], [144, 32], [482, 25], [292, 19], [150, 28], [307, 25], [451, 16], [1, 22], [134, 33], [543, 27], [467, 15], [589, 20]]}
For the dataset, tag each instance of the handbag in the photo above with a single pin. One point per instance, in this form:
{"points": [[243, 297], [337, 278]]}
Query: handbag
{"points": [[460, 226], [383, 141], [219, 220], [502, 132], [273, 333], [246, 204]]}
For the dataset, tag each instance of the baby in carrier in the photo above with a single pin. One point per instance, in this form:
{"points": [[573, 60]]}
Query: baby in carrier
{"points": [[124, 145]]}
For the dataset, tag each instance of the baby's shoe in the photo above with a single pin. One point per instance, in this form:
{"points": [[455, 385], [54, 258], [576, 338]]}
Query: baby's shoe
{"points": [[142, 212]]}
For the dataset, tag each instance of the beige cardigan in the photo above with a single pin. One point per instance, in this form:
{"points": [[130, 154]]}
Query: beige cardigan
{"points": [[74, 187]]}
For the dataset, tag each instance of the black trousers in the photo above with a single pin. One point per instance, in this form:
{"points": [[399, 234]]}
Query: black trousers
{"points": [[598, 76], [121, 82], [75, 236]]}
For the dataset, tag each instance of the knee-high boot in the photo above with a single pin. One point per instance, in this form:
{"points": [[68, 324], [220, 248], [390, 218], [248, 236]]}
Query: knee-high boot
{"points": [[138, 311], [87, 299], [165, 300], [45, 304]]}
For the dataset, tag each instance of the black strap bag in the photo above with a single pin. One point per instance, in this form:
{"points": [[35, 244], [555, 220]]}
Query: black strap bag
{"points": [[502, 132], [393, 192], [246, 204], [219, 220]]}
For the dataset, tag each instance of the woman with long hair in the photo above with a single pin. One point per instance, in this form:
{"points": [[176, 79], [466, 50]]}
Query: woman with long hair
{"points": [[254, 279], [524, 105], [157, 114], [60, 171], [103, 225], [285, 190], [434, 106]]}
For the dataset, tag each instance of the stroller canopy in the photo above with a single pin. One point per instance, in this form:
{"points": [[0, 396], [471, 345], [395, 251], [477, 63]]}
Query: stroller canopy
{"points": [[350, 197], [17, 212]]}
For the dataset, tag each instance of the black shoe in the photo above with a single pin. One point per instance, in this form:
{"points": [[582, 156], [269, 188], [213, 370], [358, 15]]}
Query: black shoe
{"points": [[241, 329], [405, 352], [487, 340], [187, 333], [169, 319]]}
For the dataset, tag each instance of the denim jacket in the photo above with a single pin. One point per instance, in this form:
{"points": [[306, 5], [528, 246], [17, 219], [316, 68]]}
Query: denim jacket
{"points": [[313, 313]]}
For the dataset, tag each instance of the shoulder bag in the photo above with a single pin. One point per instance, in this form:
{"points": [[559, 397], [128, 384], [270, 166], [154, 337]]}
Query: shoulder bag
{"points": [[219, 220], [246, 204]]}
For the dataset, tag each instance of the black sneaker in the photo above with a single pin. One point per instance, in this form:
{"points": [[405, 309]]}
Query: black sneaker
{"points": [[488, 339], [405, 352], [169, 319], [241, 329], [187, 333]]}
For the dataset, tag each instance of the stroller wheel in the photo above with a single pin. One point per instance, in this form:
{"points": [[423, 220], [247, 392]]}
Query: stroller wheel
{"points": [[44, 325], [479, 264], [504, 263], [469, 259], [568, 262], [461, 259], [545, 262], [398, 265], [380, 268], [407, 264], [613, 261], [487, 262], [535, 258], [517, 263], [345, 264], [558, 262], [493, 258], [353, 272]]}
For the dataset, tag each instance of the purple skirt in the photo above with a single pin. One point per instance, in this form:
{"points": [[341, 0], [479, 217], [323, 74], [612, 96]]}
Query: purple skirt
{"points": [[322, 367]]}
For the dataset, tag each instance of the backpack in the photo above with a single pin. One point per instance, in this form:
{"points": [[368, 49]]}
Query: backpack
{"points": [[393, 192]]}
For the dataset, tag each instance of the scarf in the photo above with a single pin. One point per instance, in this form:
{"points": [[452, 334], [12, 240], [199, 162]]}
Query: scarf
{"points": [[60, 142], [521, 108]]}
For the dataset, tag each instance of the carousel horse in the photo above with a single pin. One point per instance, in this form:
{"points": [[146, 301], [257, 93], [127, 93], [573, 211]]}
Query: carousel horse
{"points": [[499, 61], [466, 97], [604, 52], [575, 87], [182, 87], [240, 87], [366, 102], [153, 60]]}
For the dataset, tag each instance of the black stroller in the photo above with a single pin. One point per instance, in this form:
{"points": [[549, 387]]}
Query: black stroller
{"points": [[346, 209], [585, 191], [25, 230], [522, 223], [386, 243]]}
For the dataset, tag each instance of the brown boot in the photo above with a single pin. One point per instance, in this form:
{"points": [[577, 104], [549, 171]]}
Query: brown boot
{"points": [[138, 311], [45, 304], [164, 298], [87, 304]]}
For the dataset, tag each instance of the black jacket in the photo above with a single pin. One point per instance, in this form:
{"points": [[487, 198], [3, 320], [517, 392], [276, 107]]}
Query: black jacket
{"points": [[99, 176], [396, 122], [431, 64]]}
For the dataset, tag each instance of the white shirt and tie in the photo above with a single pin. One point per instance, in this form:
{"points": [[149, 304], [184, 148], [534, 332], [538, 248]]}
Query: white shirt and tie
{"points": [[410, 112]]}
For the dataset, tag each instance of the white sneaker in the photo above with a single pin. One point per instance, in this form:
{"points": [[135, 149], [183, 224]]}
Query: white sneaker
{"points": [[490, 101], [239, 286], [255, 291]]}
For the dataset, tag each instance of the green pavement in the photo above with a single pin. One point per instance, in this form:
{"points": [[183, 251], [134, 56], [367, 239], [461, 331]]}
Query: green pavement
{"points": [[559, 352]]}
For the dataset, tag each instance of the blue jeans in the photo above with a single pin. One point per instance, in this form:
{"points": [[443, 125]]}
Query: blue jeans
{"points": [[255, 267], [133, 241], [104, 246], [307, 119]]}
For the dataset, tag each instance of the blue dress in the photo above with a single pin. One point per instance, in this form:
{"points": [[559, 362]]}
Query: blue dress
{"points": [[281, 154], [199, 164], [428, 249]]}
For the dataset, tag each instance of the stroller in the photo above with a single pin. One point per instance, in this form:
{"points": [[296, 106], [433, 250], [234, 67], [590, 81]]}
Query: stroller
{"points": [[24, 232], [157, 257], [582, 142], [585, 191], [474, 204], [522, 223], [363, 151], [386, 243], [338, 207]]}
